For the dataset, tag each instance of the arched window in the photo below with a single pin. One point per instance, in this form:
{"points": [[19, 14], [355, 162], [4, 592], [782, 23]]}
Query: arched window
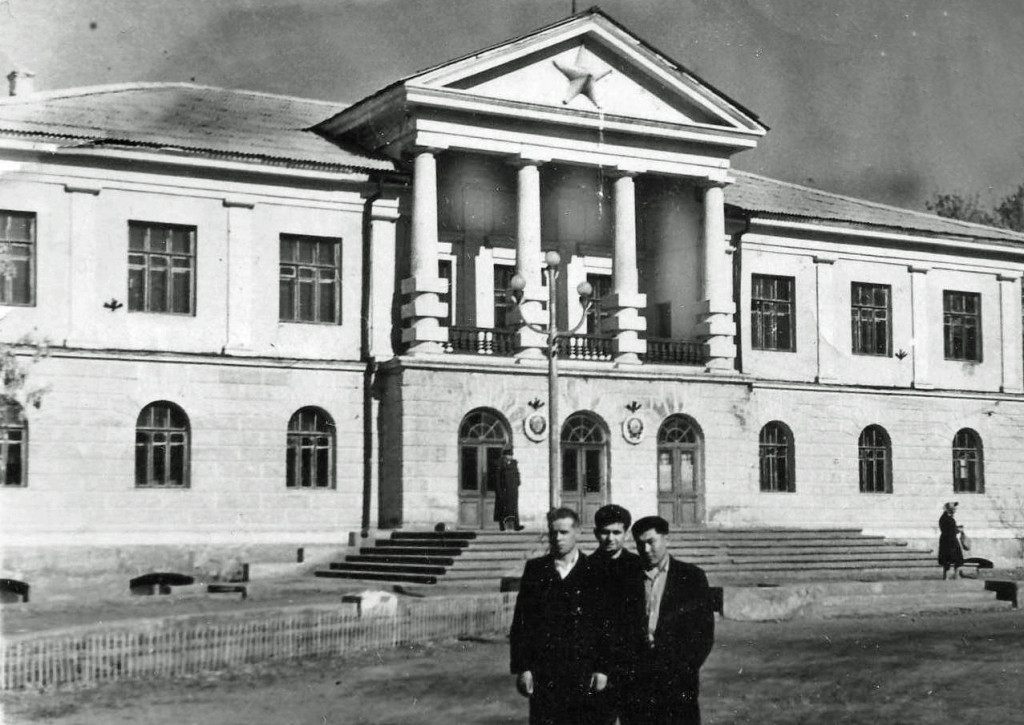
{"points": [[968, 462], [162, 447], [584, 464], [776, 454], [310, 457], [874, 452], [13, 444]]}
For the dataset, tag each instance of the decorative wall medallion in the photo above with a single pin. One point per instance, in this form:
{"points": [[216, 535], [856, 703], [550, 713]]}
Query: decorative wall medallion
{"points": [[633, 429], [535, 425]]}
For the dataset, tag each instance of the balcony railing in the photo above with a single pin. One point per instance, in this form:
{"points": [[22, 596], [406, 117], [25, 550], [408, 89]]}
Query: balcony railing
{"points": [[481, 341], [675, 352], [487, 341], [585, 347]]}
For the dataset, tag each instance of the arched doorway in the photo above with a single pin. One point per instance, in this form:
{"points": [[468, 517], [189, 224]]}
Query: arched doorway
{"points": [[680, 471], [482, 437], [584, 465]]}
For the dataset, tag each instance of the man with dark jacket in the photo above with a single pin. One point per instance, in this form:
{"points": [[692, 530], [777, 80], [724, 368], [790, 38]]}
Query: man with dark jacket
{"points": [[670, 631], [506, 493], [559, 651], [617, 568]]}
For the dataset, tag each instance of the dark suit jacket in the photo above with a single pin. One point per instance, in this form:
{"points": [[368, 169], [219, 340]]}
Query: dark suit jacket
{"points": [[558, 625], [683, 639]]}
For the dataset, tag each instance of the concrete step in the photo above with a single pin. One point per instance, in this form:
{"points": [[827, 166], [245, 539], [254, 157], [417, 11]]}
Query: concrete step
{"points": [[862, 605], [412, 550], [382, 567], [393, 559], [377, 577]]}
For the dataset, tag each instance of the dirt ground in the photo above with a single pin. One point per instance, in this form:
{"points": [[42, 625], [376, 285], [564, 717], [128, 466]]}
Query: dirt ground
{"points": [[912, 670]]}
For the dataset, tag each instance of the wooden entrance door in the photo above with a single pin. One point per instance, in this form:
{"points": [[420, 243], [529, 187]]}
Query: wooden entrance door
{"points": [[680, 472], [483, 435], [584, 466]]}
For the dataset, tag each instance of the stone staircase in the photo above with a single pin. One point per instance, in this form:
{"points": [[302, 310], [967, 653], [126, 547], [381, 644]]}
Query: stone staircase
{"points": [[729, 556]]}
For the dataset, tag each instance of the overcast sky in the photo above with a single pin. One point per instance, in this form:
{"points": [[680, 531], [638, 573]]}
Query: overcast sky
{"points": [[890, 100]]}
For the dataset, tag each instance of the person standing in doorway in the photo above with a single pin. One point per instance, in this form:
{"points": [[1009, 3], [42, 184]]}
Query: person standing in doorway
{"points": [[557, 644], [951, 555], [671, 631], [506, 493]]}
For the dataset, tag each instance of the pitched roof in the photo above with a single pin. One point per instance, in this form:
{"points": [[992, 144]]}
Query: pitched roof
{"points": [[766, 197], [189, 118]]}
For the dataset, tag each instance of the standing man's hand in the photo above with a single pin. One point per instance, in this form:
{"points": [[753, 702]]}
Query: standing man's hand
{"points": [[598, 681], [524, 683]]}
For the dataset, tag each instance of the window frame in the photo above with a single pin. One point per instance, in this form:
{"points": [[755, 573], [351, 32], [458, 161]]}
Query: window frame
{"points": [[502, 305], [8, 246], [865, 316], [957, 324], [768, 456], [962, 455], [12, 421], [296, 447], [153, 429], [316, 268], [598, 316], [765, 311], [874, 456]]}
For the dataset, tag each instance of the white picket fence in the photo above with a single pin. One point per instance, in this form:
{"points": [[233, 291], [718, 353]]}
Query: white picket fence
{"points": [[174, 648]]}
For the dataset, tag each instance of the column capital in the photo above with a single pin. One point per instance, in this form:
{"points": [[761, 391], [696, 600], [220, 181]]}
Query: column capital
{"points": [[1007, 277], [620, 172], [420, 150], [918, 269], [825, 259]]}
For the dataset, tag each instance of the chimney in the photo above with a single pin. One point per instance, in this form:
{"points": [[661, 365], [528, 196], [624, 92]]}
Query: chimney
{"points": [[20, 82]]}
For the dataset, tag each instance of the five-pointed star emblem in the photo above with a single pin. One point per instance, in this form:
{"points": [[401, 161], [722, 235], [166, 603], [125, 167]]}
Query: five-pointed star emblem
{"points": [[581, 78]]}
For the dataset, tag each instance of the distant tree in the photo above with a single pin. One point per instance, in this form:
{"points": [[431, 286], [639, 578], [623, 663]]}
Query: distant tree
{"points": [[15, 361], [1008, 213]]}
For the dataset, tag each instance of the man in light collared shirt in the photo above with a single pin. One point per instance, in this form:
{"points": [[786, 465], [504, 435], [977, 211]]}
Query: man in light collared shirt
{"points": [[558, 644], [671, 625]]}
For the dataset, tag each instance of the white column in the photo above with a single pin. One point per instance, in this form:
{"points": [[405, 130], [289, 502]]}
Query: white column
{"points": [[241, 274], [384, 216], [919, 307], [84, 300], [424, 311], [626, 300], [528, 256], [716, 325], [1010, 332], [826, 294]]}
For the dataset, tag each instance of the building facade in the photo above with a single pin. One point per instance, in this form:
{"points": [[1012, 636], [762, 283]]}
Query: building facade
{"points": [[277, 323]]}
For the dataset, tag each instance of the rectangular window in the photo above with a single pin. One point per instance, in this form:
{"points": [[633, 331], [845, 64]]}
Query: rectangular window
{"points": [[161, 268], [17, 257], [310, 279], [598, 315], [503, 306], [870, 318], [961, 323], [772, 322]]}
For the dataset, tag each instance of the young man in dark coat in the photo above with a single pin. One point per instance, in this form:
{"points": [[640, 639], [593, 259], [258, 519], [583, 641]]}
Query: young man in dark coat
{"points": [[506, 492], [559, 651], [617, 567], [671, 626]]}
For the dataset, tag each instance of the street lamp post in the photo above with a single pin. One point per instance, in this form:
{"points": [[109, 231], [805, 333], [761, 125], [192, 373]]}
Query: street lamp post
{"points": [[516, 286]]}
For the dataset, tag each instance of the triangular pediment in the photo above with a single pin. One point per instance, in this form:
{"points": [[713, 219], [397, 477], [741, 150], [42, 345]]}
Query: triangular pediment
{"points": [[591, 65]]}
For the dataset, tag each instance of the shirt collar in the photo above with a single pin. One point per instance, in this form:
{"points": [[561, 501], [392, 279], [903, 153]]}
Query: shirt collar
{"points": [[661, 568]]}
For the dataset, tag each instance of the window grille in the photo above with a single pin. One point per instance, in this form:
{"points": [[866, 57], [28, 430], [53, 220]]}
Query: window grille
{"points": [[310, 455], [962, 325], [871, 315], [162, 441], [874, 452], [161, 268], [310, 279], [772, 323], [776, 456]]}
